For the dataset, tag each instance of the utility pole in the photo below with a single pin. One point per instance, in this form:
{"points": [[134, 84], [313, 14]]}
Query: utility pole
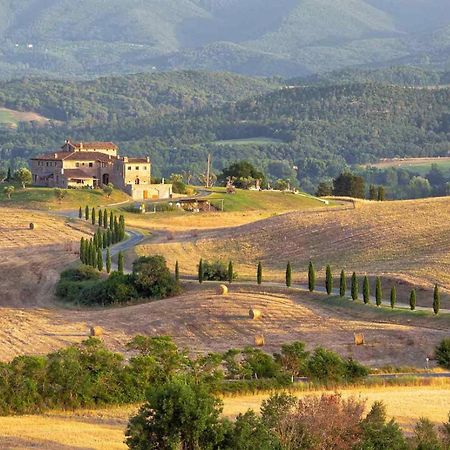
{"points": [[208, 171]]}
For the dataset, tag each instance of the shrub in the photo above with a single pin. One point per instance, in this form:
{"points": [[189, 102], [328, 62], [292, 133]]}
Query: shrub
{"points": [[152, 278], [178, 187], [443, 353], [216, 271], [81, 273]]}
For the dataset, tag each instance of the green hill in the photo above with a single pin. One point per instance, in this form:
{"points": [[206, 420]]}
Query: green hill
{"points": [[262, 37]]}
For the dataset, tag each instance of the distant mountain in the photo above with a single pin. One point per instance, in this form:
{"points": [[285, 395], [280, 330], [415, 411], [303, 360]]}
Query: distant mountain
{"points": [[258, 37]]}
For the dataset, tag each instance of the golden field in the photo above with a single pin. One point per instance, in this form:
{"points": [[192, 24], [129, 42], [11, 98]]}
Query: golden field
{"points": [[407, 241], [104, 429]]}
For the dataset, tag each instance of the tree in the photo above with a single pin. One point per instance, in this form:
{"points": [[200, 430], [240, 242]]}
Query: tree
{"points": [[108, 189], [355, 287], [293, 358], [100, 218], [8, 191], [230, 272], [105, 219], [200, 271], [366, 290], [372, 192], [93, 218], [99, 260], [324, 189], [425, 435], [23, 176], [443, 353], [349, 185], [111, 221], [329, 280], [311, 277], [104, 239], [436, 299], [120, 263], [80, 213], [259, 274], [177, 415], [86, 212], [109, 238], [243, 173], [108, 261], [82, 249], [288, 275], [343, 284], [381, 194], [152, 278], [378, 291], [59, 194], [413, 300], [177, 272], [9, 175], [393, 297]]}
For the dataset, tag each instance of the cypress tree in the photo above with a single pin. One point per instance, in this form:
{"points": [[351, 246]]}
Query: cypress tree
{"points": [[80, 213], [109, 238], [95, 240], [9, 175], [311, 277], [120, 263], [93, 252], [372, 192], [366, 290], [93, 216], [100, 218], [230, 272], [329, 280], [111, 221], [105, 218], [413, 300], [289, 275], [122, 227], [99, 260], [393, 297], [86, 213], [378, 292], [200, 271], [177, 272], [259, 274], [104, 240], [436, 299], [355, 287], [343, 284], [381, 193], [82, 249], [108, 261]]}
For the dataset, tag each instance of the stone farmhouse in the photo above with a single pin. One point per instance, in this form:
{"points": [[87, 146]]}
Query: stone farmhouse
{"points": [[95, 164]]}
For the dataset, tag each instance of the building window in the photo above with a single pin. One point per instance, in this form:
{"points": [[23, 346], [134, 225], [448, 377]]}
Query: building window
{"points": [[129, 167], [77, 165], [145, 168], [91, 164], [137, 167]]}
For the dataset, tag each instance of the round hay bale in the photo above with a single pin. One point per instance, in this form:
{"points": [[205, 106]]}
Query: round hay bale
{"points": [[260, 341], [254, 314], [359, 338], [96, 331], [32, 226], [222, 290]]}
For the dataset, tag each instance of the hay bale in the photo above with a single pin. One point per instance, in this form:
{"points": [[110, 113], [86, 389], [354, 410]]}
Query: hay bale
{"points": [[32, 226], [222, 290], [96, 331], [260, 341], [254, 314], [359, 338]]}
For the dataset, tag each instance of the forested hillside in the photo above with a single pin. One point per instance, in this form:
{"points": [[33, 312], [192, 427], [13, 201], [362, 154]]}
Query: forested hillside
{"points": [[259, 37], [179, 118]]}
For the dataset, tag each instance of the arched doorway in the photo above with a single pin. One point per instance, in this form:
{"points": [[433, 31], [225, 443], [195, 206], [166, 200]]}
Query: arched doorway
{"points": [[137, 181], [105, 179]]}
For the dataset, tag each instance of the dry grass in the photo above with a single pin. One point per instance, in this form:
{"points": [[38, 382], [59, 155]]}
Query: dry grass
{"points": [[204, 321], [407, 240], [32, 259], [104, 429]]}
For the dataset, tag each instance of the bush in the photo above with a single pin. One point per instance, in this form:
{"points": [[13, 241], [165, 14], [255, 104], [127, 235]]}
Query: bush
{"points": [[178, 187], [152, 278], [71, 290], [81, 273], [216, 271], [443, 353]]}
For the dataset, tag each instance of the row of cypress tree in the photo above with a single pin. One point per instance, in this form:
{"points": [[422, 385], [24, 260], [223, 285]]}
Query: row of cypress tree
{"points": [[92, 255], [329, 285], [105, 220]]}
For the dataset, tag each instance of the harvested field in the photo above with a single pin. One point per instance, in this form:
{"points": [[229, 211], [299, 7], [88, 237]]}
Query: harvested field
{"points": [[32, 259], [408, 240], [204, 321]]}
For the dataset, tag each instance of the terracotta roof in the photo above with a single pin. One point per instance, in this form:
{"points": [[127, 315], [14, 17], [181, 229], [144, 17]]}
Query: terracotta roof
{"points": [[94, 144], [75, 156], [76, 174], [138, 160]]}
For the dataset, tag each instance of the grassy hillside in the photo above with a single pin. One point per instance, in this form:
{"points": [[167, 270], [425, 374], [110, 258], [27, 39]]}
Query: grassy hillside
{"points": [[398, 240]]}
